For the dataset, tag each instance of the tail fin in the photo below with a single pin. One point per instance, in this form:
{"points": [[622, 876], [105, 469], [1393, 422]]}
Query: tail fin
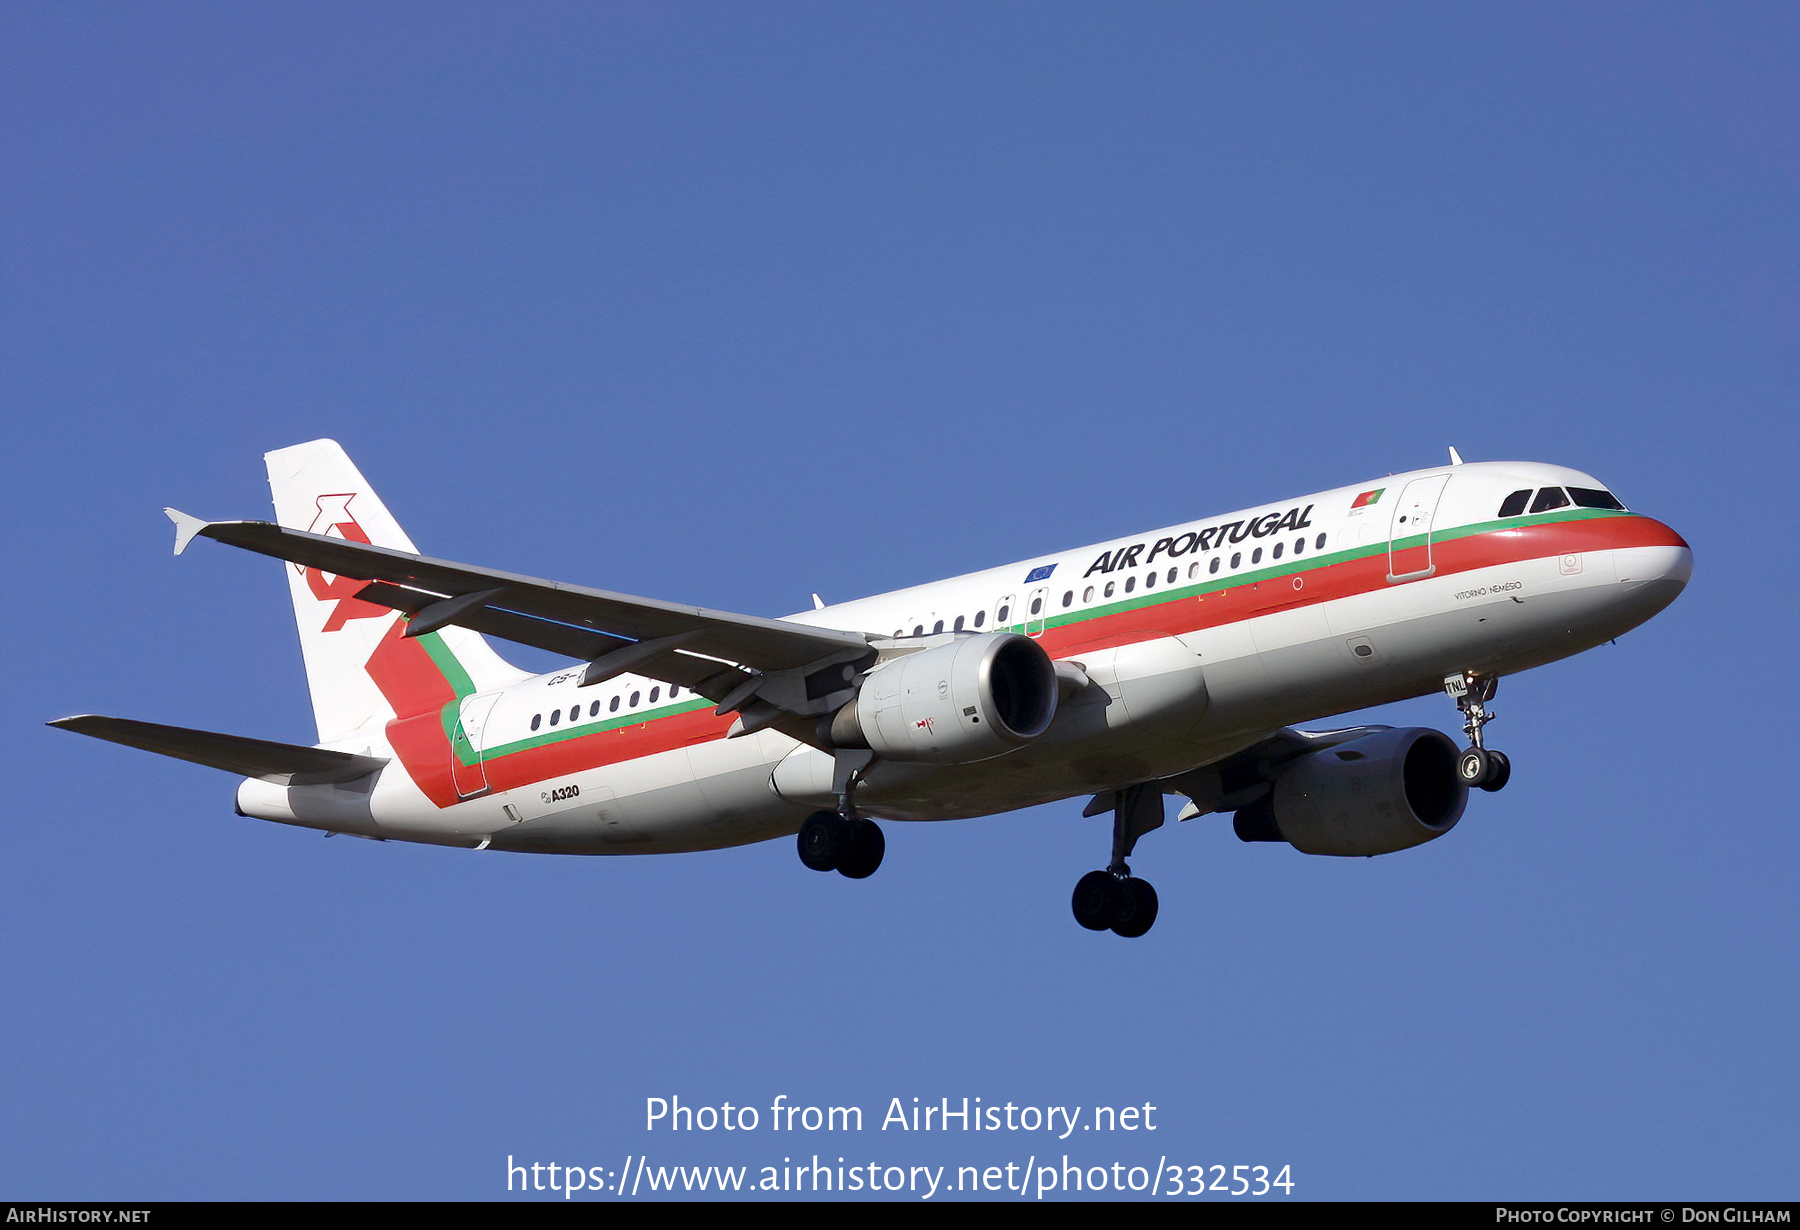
{"points": [[358, 667]]}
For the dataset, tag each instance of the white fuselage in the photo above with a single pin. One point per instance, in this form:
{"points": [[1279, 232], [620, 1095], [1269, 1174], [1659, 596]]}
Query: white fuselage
{"points": [[1191, 643]]}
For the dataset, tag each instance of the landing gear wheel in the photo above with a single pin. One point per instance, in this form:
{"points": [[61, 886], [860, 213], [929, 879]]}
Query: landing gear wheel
{"points": [[1136, 910], [867, 845], [1095, 901], [824, 840], [1499, 772], [1474, 766]]}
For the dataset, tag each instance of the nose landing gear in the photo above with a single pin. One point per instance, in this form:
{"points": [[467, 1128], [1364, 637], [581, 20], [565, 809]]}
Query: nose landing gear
{"points": [[1477, 766], [1115, 900]]}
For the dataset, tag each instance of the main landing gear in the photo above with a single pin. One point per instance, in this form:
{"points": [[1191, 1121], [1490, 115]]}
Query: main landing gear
{"points": [[1115, 900], [841, 840], [850, 845], [1477, 766]]}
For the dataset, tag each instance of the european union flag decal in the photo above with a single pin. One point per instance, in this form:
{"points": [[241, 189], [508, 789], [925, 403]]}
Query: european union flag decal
{"points": [[1040, 574]]}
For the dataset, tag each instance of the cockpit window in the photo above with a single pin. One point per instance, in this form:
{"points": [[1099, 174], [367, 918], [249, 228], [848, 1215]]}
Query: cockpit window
{"points": [[1514, 504], [1548, 498], [1591, 497]]}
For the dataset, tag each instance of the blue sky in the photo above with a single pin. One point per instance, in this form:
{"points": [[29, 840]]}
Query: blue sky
{"points": [[729, 304]]}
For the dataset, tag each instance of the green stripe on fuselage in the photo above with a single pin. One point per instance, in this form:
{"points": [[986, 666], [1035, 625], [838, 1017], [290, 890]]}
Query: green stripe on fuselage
{"points": [[460, 683], [596, 726], [1217, 584], [1173, 593]]}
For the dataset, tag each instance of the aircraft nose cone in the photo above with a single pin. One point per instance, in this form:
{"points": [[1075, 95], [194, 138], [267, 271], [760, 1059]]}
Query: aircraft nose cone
{"points": [[1669, 562], [1652, 574]]}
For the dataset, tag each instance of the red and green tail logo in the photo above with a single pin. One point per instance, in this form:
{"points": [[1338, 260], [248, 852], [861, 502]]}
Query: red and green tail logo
{"points": [[425, 685], [334, 518]]}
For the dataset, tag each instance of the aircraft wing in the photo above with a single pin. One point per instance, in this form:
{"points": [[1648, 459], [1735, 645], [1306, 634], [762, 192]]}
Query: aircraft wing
{"points": [[743, 661], [285, 764]]}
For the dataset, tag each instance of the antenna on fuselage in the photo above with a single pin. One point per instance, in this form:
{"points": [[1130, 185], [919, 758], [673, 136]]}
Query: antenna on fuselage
{"points": [[1455, 457]]}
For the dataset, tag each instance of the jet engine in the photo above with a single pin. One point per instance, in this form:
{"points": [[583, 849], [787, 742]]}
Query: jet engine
{"points": [[972, 699], [1373, 795]]}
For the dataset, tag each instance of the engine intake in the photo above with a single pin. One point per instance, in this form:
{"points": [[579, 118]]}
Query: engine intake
{"points": [[1373, 795], [973, 699]]}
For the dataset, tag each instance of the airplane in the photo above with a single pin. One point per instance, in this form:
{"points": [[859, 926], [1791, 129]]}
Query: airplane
{"points": [[1176, 662]]}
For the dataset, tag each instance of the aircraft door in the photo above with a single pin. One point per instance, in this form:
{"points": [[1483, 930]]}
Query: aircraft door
{"points": [[466, 745], [1409, 533], [1037, 609]]}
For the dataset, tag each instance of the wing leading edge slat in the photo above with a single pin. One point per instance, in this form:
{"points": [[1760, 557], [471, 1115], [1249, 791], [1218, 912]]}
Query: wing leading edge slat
{"points": [[761, 644]]}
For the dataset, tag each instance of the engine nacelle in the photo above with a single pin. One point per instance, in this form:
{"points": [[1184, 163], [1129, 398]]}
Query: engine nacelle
{"points": [[973, 699], [1373, 795]]}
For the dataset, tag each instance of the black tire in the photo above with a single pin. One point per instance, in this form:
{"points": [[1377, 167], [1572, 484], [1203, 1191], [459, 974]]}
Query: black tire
{"points": [[867, 845], [1473, 766], [1096, 900], [1499, 772], [1136, 911], [823, 840]]}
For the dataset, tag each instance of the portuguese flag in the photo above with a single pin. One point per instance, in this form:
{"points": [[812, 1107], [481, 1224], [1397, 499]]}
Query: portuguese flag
{"points": [[1367, 498]]}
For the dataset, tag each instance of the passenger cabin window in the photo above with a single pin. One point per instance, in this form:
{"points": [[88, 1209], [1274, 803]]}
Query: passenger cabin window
{"points": [[634, 699], [1276, 553], [594, 710], [654, 693], [1214, 566], [1299, 545], [1130, 584], [1087, 595], [1256, 556], [1319, 543], [1193, 571], [537, 720], [957, 626], [980, 618], [1109, 589], [918, 629], [1514, 504], [575, 713], [1150, 581], [555, 716], [1548, 498], [613, 707], [937, 627], [1237, 557], [1069, 598], [1173, 573], [1591, 497], [1001, 614]]}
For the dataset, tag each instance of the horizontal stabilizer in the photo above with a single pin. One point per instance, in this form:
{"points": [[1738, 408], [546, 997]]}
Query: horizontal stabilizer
{"points": [[283, 764]]}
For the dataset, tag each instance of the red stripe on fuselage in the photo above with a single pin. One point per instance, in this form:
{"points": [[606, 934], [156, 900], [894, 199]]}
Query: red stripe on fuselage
{"points": [[1323, 583], [606, 747], [1349, 578]]}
